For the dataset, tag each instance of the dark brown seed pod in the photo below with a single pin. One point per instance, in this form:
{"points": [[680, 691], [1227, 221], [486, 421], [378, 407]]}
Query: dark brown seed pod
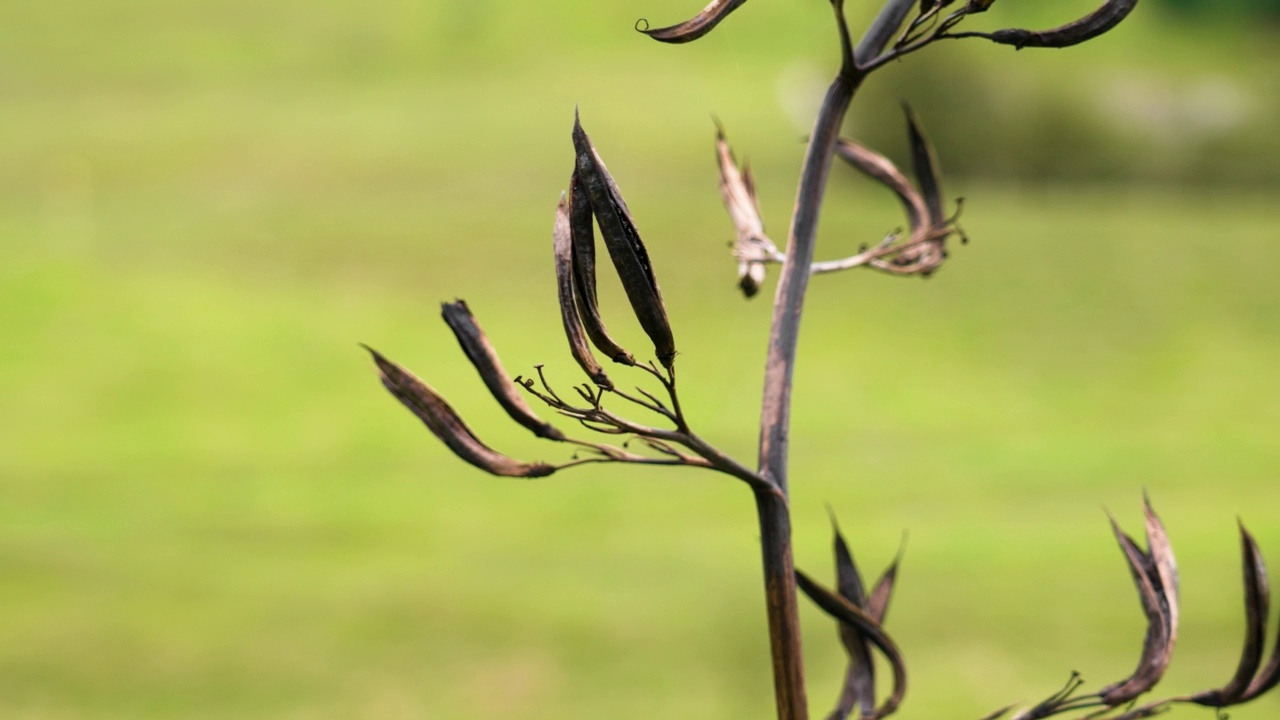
{"points": [[1157, 648], [582, 231], [751, 246], [446, 424], [568, 303], [1269, 676], [1086, 28], [859, 688], [846, 612], [925, 163], [696, 26], [485, 359], [630, 259], [1257, 600], [882, 593]]}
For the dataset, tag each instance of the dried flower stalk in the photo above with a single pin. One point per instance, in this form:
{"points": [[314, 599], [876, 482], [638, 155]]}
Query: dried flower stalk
{"points": [[900, 28]]}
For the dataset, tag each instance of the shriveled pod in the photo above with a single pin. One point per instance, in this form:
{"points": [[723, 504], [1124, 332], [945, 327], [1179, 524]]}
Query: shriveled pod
{"points": [[445, 423], [696, 26]]}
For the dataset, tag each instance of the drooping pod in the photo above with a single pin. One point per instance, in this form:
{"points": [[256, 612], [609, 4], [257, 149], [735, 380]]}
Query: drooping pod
{"points": [[583, 241], [1111, 14], [696, 26], [630, 259], [445, 423], [485, 359], [568, 302]]}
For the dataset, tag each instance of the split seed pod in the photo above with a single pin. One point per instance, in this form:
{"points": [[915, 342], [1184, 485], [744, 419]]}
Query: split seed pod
{"points": [[627, 251], [751, 247], [446, 424], [1086, 28], [1159, 603], [846, 612], [568, 303], [859, 689], [697, 26], [485, 359], [583, 235]]}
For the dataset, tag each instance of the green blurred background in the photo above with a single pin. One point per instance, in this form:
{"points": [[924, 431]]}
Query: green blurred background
{"points": [[209, 509]]}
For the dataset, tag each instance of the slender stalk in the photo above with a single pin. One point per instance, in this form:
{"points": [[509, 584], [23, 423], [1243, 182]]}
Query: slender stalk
{"points": [[771, 508]]}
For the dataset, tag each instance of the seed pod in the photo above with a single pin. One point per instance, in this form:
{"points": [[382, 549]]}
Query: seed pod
{"points": [[1269, 676], [751, 246], [846, 612], [882, 593], [445, 423], [925, 162], [1086, 28], [629, 256], [568, 303], [485, 359], [1157, 648], [694, 27], [1257, 600], [583, 235], [859, 689]]}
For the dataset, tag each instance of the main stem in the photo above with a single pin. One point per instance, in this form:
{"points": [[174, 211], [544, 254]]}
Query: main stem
{"points": [[771, 507]]}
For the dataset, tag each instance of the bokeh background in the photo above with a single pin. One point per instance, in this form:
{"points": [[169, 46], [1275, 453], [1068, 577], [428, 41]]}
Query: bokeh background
{"points": [[210, 509]]}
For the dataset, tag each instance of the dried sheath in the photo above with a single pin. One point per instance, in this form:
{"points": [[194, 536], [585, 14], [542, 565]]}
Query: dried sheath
{"points": [[568, 304], [1086, 28], [485, 359], [751, 246], [696, 26], [583, 236], [629, 256], [445, 423]]}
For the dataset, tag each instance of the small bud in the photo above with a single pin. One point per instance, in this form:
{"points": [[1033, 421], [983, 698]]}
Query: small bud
{"points": [[485, 359], [446, 424], [694, 27], [630, 259]]}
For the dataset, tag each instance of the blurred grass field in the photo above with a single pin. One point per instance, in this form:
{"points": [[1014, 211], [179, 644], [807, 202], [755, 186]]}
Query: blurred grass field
{"points": [[210, 509]]}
